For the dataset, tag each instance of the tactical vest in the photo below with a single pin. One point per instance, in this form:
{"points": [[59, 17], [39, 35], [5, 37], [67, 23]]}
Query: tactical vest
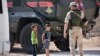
{"points": [[75, 20]]}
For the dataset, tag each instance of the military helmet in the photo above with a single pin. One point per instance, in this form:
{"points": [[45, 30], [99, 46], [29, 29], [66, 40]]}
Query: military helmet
{"points": [[72, 4]]}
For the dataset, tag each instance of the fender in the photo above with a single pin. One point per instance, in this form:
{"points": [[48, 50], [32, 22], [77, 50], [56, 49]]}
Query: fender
{"points": [[15, 18]]}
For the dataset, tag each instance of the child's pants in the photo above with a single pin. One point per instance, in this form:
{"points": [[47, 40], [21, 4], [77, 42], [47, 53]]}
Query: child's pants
{"points": [[75, 35], [34, 49]]}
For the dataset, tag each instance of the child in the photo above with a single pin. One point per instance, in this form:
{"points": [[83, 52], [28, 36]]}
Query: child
{"points": [[46, 36], [34, 39]]}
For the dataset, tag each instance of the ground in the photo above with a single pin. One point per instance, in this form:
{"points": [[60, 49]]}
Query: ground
{"points": [[91, 48]]}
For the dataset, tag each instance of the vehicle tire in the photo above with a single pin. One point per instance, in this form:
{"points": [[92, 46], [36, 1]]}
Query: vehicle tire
{"points": [[12, 41], [25, 38], [62, 43]]}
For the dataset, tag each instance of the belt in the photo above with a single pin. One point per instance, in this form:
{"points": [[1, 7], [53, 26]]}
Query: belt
{"points": [[76, 27]]}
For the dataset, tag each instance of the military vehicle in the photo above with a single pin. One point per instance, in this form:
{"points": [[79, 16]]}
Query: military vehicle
{"points": [[24, 13]]}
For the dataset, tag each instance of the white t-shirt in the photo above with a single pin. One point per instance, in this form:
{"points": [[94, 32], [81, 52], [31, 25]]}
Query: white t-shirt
{"points": [[68, 17]]}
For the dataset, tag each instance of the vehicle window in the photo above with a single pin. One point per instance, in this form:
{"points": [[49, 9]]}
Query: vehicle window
{"points": [[1, 7]]}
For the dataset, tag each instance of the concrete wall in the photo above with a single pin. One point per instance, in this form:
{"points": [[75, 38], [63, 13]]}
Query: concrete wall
{"points": [[4, 29]]}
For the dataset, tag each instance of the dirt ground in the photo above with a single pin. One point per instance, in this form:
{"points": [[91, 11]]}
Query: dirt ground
{"points": [[92, 43], [88, 44]]}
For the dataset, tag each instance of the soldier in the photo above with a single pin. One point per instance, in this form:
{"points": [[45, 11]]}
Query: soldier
{"points": [[74, 19]]}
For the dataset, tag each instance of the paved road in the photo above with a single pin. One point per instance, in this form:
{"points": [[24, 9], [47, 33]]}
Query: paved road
{"points": [[86, 53]]}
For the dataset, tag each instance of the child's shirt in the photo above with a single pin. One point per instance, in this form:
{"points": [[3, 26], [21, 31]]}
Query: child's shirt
{"points": [[47, 35], [34, 39]]}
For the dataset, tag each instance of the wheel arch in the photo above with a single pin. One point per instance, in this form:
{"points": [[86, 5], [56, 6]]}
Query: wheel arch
{"points": [[24, 21]]}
